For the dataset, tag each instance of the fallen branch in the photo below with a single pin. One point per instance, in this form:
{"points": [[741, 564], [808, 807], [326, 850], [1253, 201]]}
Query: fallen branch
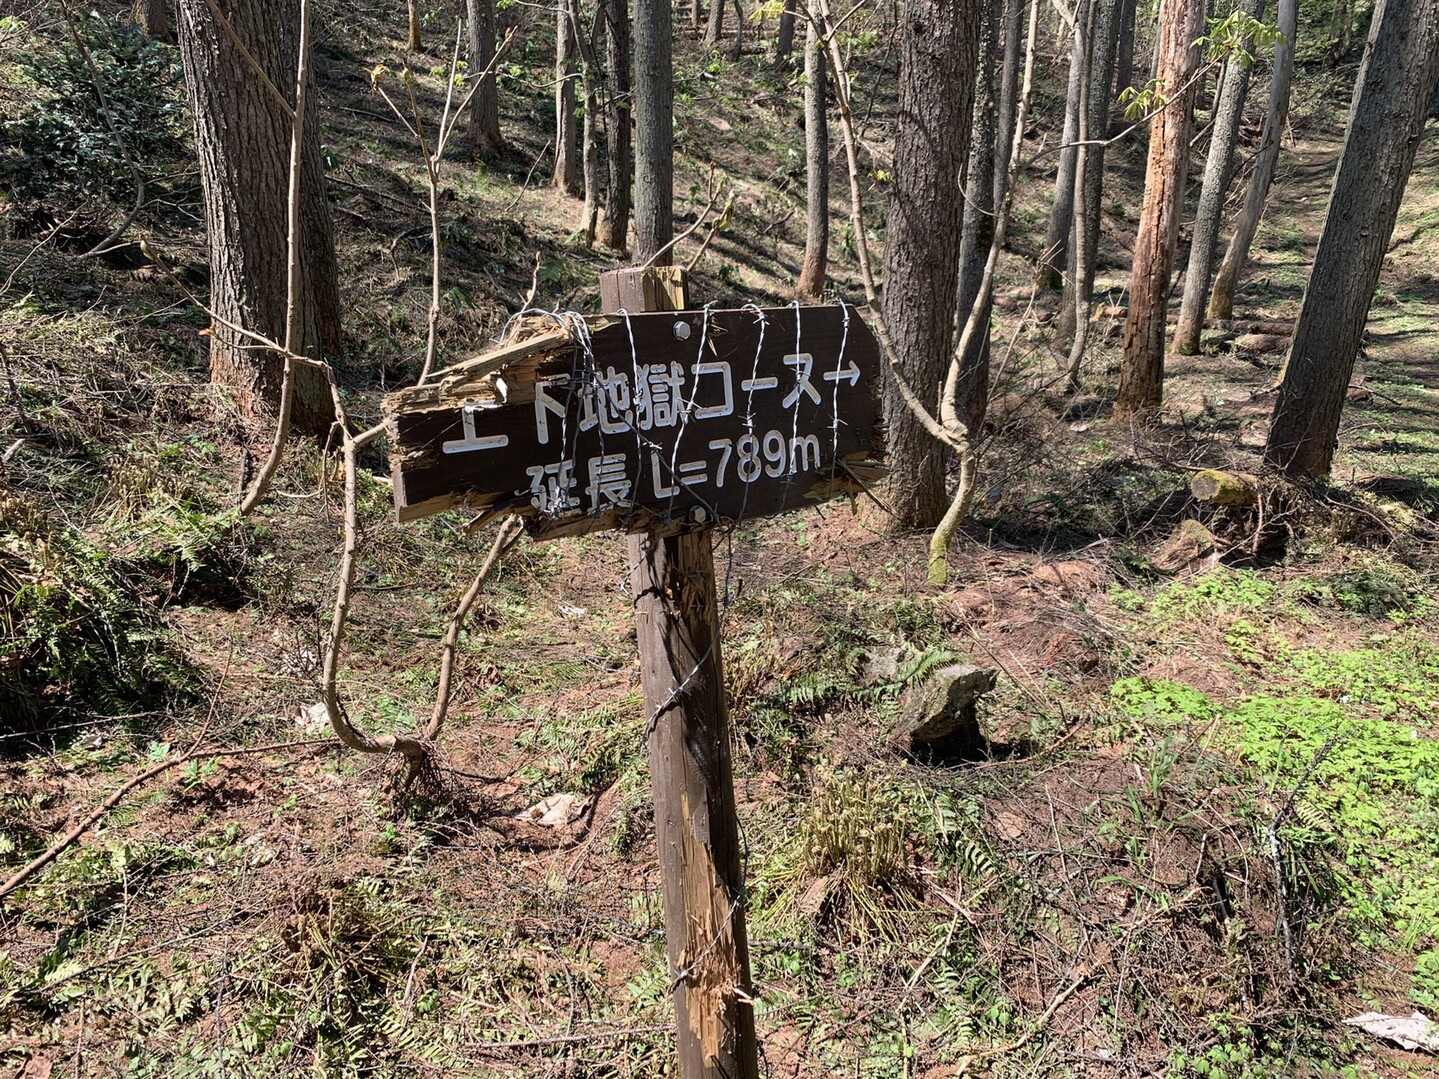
{"points": [[40, 861]]}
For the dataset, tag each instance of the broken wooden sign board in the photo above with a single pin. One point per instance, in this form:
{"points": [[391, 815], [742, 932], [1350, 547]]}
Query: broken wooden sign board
{"points": [[646, 421]]}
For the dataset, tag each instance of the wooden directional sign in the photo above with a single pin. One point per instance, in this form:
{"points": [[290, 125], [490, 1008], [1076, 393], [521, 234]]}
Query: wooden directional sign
{"points": [[646, 421]]}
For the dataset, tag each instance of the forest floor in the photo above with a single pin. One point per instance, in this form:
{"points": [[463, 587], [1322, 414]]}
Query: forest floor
{"points": [[1206, 832]]}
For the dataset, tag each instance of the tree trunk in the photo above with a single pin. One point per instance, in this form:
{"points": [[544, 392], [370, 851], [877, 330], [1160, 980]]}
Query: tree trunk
{"points": [[697, 14], [615, 228], [1124, 54], [153, 19], [784, 40], [413, 8], [590, 137], [1047, 274], [1089, 171], [737, 49], [714, 29], [816, 156], [486, 142], [242, 134], [972, 397], [654, 130], [1386, 123], [921, 265], [1007, 106], [1141, 376], [1226, 282], [567, 165], [1218, 170]]}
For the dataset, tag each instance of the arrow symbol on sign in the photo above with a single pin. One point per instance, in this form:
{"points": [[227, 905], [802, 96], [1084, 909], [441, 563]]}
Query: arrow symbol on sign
{"points": [[849, 374]]}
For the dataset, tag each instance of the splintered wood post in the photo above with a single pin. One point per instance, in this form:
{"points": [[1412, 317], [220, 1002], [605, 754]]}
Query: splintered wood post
{"points": [[696, 830], [662, 421]]}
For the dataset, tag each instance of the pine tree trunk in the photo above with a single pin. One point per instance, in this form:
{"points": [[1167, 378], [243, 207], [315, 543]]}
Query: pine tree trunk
{"points": [[1124, 54], [816, 155], [413, 10], [1048, 274], [714, 29], [486, 142], [1089, 171], [972, 396], [1386, 122], [614, 230], [1007, 106], [242, 136], [1226, 282], [1218, 170], [784, 39], [654, 130], [153, 19], [1141, 376], [567, 165], [921, 266]]}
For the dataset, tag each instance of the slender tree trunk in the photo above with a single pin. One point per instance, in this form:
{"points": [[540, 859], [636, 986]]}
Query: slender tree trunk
{"points": [[567, 165], [413, 9], [1089, 170], [486, 142], [654, 130], [697, 15], [615, 228], [1226, 282], [1218, 171], [921, 265], [737, 49], [1007, 105], [816, 155], [714, 29], [972, 398], [590, 136], [1141, 376], [1124, 55], [1048, 274], [784, 40], [153, 18], [241, 134], [1386, 123]]}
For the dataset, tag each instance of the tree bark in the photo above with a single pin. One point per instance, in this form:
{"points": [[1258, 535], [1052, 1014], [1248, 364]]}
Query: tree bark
{"points": [[1124, 53], [486, 142], [972, 397], [615, 227], [714, 29], [153, 18], [1226, 282], [697, 14], [590, 136], [1007, 105], [654, 130], [1141, 376], [413, 9], [816, 155], [567, 164], [784, 39], [1386, 123], [1089, 171], [1048, 274], [936, 90], [241, 135], [1218, 171]]}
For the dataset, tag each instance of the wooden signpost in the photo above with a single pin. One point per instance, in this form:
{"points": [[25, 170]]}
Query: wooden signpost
{"points": [[662, 421]]}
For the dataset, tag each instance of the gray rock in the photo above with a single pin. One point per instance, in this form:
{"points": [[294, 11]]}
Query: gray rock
{"points": [[939, 716]]}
